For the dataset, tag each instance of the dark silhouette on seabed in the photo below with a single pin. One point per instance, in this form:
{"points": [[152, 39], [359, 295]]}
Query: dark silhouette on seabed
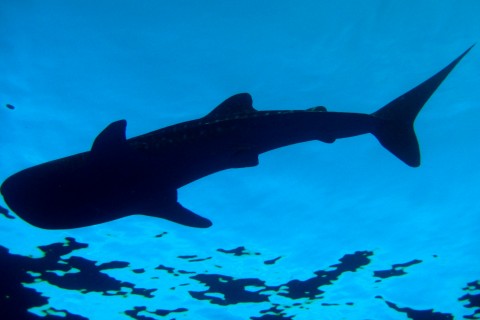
{"points": [[141, 175]]}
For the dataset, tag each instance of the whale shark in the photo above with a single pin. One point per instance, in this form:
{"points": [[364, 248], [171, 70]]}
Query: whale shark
{"points": [[119, 177]]}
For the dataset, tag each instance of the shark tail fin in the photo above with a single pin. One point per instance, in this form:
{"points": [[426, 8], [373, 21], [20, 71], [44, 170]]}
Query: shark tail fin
{"points": [[395, 130]]}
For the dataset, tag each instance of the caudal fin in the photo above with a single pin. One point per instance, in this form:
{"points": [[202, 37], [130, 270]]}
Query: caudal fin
{"points": [[395, 129]]}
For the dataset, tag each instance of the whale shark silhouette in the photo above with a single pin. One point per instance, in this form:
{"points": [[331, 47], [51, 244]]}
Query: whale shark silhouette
{"points": [[119, 177]]}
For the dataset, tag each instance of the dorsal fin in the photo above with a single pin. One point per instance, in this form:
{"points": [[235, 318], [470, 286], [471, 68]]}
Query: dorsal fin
{"points": [[111, 140], [239, 103]]}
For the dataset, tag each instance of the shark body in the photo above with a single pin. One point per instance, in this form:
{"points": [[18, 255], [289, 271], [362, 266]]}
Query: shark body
{"points": [[119, 177]]}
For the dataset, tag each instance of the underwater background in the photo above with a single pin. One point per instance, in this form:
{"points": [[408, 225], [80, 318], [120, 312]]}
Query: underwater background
{"points": [[316, 231]]}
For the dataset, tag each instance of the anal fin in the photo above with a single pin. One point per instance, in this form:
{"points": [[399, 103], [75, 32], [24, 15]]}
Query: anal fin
{"points": [[326, 139], [243, 157]]}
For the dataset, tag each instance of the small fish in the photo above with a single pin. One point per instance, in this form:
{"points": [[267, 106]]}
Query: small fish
{"points": [[9, 106]]}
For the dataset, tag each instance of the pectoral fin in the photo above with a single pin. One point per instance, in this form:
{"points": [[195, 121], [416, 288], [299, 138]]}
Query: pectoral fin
{"points": [[177, 213]]}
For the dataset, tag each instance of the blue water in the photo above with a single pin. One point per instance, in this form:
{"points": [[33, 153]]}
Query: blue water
{"points": [[347, 211]]}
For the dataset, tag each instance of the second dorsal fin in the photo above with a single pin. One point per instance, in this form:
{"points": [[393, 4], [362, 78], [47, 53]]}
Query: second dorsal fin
{"points": [[317, 109], [239, 103]]}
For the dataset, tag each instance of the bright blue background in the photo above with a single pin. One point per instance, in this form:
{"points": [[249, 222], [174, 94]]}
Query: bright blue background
{"points": [[72, 67]]}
